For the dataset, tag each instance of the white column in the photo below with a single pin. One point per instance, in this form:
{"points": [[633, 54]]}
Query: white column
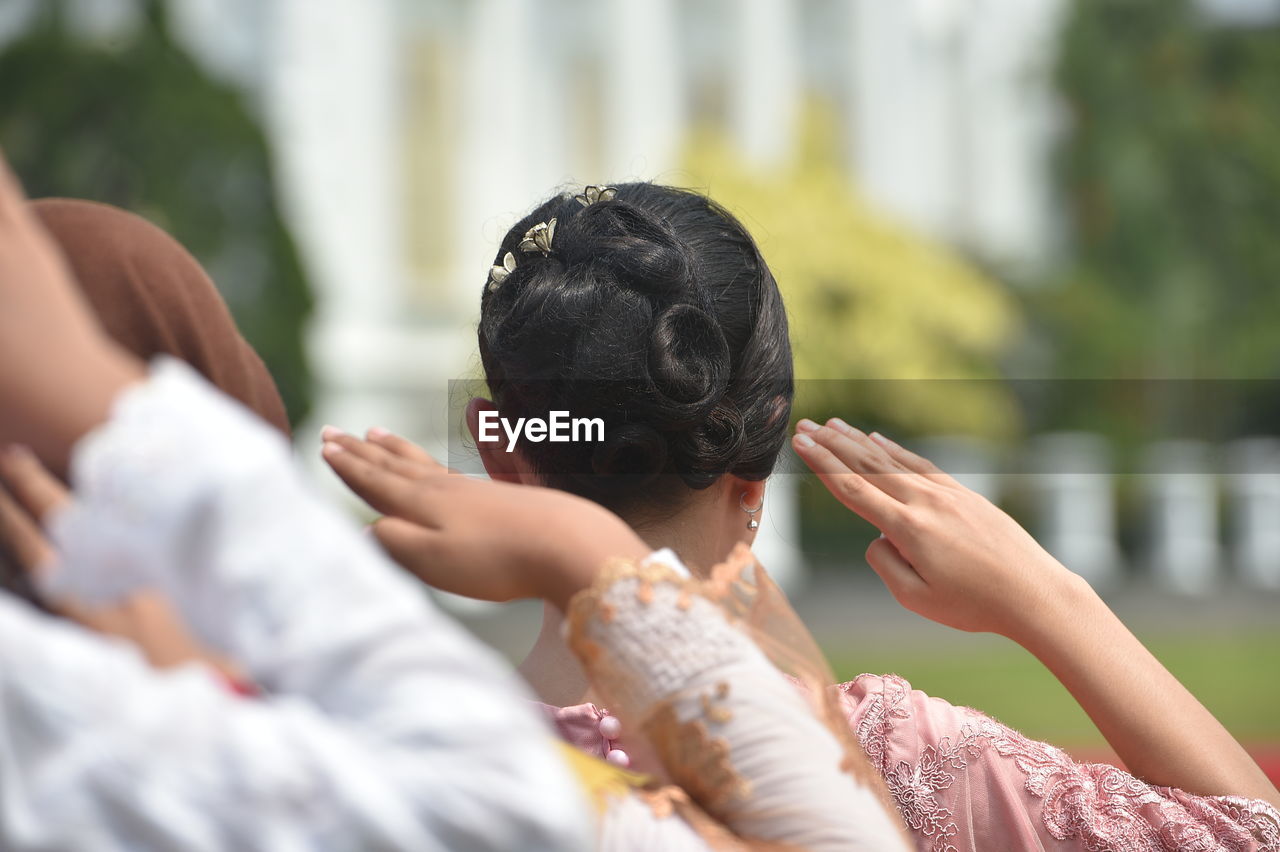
{"points": [[1009, 123], [644, 110], [330, 98], [506, 162], [900, 123], [1077, 521], [329, 101], [1182, 495], [491, 185], [777, 543], [1254, 493], [766, 93]]}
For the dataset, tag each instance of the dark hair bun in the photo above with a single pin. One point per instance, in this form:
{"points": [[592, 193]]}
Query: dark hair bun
{"points": [[637, 315], [688, 363]]}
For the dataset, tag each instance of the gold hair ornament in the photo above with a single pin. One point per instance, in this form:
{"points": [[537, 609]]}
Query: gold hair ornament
{"points": [[538, 238], [594, 193], [498, 274]]}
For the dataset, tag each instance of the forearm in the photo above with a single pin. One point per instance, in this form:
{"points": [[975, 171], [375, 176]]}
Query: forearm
{"points": [[1163, 734], [724, 722], [52, 421]]}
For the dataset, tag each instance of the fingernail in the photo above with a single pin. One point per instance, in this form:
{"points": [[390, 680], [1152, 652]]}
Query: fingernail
{"points": [[882, 440], [331, 449], [377, 432], [839, 425], [328, 433], [807, 425], [804, 441]]}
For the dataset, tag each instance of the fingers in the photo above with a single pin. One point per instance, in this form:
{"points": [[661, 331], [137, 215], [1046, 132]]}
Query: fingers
{"points": [[401, 447], [911, 461], [22, 536], [863, 456], [901, 579], [376, 455], [851, 489], [387, 492], [34, 488], [389, 451]]}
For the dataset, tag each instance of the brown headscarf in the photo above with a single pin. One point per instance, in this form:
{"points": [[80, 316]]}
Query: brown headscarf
{"points": [[152, 297]]}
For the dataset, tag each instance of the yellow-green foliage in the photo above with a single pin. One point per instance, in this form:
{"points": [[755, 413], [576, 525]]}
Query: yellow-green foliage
{"points": [[883, 321]]}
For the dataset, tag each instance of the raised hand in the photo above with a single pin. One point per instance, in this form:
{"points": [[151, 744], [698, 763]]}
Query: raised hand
{"points": [[951, 556], [946, 552], [482, 539]]}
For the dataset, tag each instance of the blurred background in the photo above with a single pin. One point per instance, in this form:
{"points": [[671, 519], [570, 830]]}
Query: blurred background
{"points": [[1035, 239]]}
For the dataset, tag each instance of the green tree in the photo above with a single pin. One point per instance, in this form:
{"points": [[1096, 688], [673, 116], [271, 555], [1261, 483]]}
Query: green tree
{"points": [[141, 126], [888, 328], [1171, 181]]}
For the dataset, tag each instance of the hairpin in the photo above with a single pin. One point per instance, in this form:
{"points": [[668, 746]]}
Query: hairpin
{"points": [[594, 193], [498, 274], [538, 238]]}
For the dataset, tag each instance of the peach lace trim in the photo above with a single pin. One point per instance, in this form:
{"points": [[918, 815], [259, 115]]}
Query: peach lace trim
{"points": [[749, 599], [700, 761]]}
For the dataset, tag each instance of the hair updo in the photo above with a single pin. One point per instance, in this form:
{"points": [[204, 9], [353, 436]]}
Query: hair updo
{"points": [[655, 312]]}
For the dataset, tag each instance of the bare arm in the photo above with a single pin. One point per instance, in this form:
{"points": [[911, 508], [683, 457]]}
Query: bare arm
{"points": [[953, 557], [1159, 729]]}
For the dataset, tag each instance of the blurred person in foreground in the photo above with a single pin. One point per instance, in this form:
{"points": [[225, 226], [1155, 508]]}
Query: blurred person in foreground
{"points": [[152, 298], [378, 724], [652, 308]]}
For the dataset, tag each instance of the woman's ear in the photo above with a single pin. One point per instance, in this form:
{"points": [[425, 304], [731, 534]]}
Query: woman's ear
{"points": [[752, 492], [747, 494], [499, 463]]}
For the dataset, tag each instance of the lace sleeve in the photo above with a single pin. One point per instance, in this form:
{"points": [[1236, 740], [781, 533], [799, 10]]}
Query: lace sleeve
{"points": [[963, 781], [673, 656]]}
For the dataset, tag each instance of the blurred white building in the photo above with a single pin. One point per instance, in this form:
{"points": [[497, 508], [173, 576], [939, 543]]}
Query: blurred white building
{"points": [[410, 133]]}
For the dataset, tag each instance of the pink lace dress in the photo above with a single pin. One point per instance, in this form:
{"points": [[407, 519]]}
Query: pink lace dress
{"points": [[966, 783]]}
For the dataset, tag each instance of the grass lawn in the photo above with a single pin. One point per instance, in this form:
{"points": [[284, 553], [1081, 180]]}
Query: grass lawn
{"points": [[1237, 676]]}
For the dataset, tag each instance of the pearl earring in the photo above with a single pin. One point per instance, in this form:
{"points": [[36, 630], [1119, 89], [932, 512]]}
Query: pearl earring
{"points": [[752, 523]]}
